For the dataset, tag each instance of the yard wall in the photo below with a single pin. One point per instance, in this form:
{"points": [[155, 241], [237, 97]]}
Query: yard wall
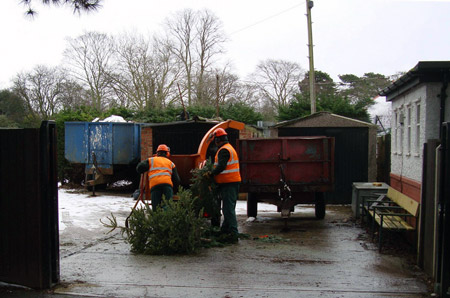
{"points": [[146, 142]]}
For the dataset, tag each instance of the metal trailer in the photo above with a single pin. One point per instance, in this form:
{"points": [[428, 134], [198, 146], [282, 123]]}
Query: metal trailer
{"points": [[109, 150], [287, 171]]}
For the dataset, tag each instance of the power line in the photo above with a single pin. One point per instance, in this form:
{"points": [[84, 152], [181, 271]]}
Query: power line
{"points": [[317, 83], [265, 19]]}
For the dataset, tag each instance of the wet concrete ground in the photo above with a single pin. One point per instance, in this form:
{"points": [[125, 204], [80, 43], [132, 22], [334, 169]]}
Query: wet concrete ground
{"points": [[333, 257]]}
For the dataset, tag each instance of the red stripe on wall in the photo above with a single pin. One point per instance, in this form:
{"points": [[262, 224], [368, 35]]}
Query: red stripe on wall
{"points": [[407, 186]]}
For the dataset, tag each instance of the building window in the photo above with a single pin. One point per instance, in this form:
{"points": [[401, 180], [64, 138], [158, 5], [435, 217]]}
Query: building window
{"points": [[418, 142], [400, 123], [408, 130], [394, 132]]}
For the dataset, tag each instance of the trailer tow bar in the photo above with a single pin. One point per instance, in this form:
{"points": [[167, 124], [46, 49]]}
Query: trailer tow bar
{"points": [[285, 195]]}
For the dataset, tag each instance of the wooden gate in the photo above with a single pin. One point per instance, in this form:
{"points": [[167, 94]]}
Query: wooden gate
{"points": [[29, 239], [383, 158]]}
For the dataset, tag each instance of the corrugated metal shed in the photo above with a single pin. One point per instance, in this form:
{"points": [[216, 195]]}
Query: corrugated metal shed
{"points": [[355, 148], [323, 119]]}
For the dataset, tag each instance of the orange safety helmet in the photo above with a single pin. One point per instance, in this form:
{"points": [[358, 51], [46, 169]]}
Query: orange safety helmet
{"points": [[163, 147], [220, 132]]}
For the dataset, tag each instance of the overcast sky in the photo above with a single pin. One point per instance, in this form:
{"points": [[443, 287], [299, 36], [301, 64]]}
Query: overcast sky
{"points": [[350, 36]]}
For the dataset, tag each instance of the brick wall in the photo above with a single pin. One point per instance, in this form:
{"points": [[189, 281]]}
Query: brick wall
{"points": [[146, 142], [249, 132]]}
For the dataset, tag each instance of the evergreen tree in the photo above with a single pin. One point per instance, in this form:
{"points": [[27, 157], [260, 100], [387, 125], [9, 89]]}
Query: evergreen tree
{"points": [[12, 109], [350, 98], [300, 107], [77, 5], [240, 112], [362, 90]]}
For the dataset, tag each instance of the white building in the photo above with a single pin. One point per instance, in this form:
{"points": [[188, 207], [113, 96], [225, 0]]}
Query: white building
{"points": [[419, 106]]}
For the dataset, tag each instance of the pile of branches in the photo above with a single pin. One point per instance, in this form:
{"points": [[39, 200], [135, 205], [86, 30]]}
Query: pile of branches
{"points": [[173, 228], [176, 227], [204, 189]]}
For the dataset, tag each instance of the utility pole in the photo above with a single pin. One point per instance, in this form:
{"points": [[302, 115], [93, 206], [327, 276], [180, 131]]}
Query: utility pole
{"points": [[312, 78]]}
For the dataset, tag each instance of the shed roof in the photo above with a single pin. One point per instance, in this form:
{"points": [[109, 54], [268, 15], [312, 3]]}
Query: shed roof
{"points": [[323, 119], [423, 72], [183, 122]]}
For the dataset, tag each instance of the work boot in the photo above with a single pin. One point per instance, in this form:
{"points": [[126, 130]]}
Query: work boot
{"points": [[228, 238], [215, 231]]}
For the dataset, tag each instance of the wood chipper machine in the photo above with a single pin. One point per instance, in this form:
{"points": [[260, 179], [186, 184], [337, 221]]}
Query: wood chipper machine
{"points": [[185, 163]]}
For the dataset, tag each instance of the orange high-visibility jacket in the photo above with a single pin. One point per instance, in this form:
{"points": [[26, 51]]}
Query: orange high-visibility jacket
{"points": [[160, 171], [231, 172]]}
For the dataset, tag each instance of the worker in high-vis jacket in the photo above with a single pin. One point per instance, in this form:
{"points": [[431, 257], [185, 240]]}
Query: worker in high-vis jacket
{"points": [[162, 175], [227, 176]]}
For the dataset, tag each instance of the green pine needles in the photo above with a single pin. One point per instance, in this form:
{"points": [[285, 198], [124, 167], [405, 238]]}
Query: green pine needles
{"points": [[173, 228], [176, 227], [204, 190]]}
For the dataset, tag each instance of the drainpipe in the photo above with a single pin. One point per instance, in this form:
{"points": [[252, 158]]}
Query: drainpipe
{"points": [[441, 199], [443, 97]]}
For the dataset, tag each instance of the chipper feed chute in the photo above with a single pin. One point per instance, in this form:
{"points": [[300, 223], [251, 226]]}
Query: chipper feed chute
{"points": [[208, 138]]}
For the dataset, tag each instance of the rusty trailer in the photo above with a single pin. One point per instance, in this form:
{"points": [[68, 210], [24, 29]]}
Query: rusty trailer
{"points": [[287, 171]]}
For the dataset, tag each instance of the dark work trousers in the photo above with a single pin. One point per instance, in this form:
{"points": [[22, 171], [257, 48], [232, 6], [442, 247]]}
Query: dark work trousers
{"points": [[158, 191], [229, 193]]}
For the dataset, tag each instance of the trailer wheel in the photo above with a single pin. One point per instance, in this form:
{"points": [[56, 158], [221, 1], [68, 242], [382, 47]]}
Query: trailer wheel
{"points": [[252, 205], [320, 205]]}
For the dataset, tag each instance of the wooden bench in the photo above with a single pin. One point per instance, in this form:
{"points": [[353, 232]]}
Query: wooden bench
{"points": [[390, 211]]}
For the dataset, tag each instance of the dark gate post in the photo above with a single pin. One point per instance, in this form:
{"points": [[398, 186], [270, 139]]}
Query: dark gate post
{"points": [[49, 201], [444, 202], [428, 233]]}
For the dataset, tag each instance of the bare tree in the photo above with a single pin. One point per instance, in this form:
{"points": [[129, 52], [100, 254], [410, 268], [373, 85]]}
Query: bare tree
{"points": [[145, 72], [277, 80], [73, 94], [220, 86], [195, 38], [41, 90], [168, 72], [209, 45], [226, 85], [180, 39], [247, 93], [133, 80], [90, 56]]}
